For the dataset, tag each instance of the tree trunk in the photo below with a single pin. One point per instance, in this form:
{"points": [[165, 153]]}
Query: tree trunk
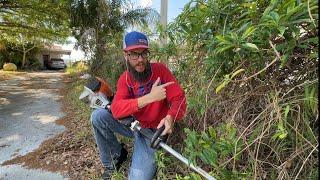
{"points": [[25, 51], [24, 56], [100, 50]]}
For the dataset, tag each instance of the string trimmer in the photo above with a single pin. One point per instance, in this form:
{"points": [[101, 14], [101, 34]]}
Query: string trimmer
{"points": [[97, 93]]}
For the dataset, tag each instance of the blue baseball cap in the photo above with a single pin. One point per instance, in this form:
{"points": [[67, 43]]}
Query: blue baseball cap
{"points": [[135, 40]]}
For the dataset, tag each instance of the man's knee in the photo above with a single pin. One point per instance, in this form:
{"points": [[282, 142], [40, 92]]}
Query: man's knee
{"points": [[136, 174], [142, 174], [100, 116], [144, 170]]}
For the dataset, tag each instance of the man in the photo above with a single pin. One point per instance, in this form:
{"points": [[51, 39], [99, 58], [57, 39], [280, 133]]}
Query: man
{"points": [[148, 92]]}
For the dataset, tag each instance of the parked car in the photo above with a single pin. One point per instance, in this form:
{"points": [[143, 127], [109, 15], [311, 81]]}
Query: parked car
{"points": [[56, 63]]}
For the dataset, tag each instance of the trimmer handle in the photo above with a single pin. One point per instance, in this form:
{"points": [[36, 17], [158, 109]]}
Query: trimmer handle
{"points": [[157, 138], [127, 121]]}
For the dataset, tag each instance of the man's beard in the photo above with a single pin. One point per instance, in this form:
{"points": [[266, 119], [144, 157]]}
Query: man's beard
{"points": [[140, 76]]}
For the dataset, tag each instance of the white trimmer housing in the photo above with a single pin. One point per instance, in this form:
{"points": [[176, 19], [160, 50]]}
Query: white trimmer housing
{"points": [[95, 100], [99, 100]]}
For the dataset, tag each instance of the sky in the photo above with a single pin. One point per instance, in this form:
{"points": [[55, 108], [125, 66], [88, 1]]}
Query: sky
{"points": [[175, 7]]}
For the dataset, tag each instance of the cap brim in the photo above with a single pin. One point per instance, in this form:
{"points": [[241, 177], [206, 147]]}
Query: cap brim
{"points": [[136, 47]]}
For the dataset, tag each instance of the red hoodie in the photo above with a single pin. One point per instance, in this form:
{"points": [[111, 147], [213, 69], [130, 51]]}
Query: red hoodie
{"points": [[125, 101]]}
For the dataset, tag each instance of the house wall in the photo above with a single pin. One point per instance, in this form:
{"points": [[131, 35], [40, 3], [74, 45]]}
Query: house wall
{"points": [[51, 55]]}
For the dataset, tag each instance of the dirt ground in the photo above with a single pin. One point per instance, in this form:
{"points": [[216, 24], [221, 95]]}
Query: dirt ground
{"points": [[71, 153]]}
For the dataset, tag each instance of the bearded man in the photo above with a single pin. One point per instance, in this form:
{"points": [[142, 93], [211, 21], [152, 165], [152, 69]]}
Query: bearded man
{"points": [[148, 92]]}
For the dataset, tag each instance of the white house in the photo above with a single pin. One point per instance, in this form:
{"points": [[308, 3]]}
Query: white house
{"points": [[49, 52]]}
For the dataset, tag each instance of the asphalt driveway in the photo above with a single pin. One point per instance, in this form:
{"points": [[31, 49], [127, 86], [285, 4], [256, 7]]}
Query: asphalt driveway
{"points": [[29, 107]]}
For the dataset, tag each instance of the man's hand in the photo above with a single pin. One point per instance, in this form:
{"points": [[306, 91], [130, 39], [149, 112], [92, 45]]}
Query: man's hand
{"points": [[158, 92], [168, 123]]}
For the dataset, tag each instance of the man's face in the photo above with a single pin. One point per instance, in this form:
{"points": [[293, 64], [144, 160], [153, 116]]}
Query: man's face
{"points": [[138, 58], [138, 64]]}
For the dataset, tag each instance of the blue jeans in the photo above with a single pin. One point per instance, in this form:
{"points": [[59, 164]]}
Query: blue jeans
{"points": [[143, 165]]}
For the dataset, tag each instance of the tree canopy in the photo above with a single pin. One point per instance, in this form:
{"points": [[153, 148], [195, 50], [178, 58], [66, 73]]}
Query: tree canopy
{"points": [[45, 19], [99, 25], [26, 23]]}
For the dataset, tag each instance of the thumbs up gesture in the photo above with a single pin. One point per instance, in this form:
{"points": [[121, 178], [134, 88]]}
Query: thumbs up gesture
{"points": [[158, 92]]}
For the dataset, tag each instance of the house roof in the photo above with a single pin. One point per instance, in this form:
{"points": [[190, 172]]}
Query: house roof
{"points": [[56, 49]]}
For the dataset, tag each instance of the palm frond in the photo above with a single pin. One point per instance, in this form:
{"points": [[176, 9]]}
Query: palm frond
{"points": [[140, 16]]}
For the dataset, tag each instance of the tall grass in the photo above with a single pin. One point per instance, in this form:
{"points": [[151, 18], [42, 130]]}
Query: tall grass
{"points": [[253, 97]]}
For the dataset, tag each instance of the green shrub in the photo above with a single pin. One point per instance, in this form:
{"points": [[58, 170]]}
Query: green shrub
{"points": [[255, 64], [9, 67], [81, 66], [34, 64]]}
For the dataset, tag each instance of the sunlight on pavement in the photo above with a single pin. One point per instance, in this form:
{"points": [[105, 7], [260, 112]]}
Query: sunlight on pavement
{"points": [[17, 114], [14, 137], [45, 119], [4, 101]]}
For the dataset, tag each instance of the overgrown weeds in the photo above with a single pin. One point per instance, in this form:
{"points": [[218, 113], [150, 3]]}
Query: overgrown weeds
{"points": [[252, 108]]}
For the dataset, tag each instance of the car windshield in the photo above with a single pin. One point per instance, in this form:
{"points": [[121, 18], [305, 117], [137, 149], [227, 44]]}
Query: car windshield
{"points": [[56, 60]]}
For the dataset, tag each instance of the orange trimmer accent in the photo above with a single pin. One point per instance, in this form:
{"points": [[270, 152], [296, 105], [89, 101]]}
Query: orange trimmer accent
{"points": [[105, 88]]}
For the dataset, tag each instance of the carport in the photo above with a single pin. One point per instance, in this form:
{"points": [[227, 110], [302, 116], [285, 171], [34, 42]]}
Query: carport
{"points": [[49, 52]]}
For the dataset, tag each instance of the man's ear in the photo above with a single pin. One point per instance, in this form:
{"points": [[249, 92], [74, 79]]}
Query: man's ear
{"points": [[125, 55]]}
